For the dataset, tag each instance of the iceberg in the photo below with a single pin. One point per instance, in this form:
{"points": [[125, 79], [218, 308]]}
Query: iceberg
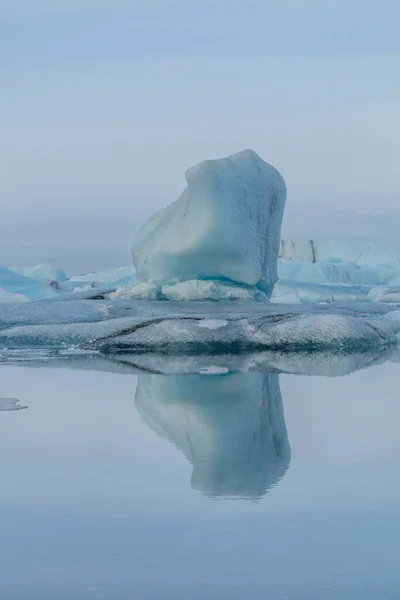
{"points": [[231, 428], [45, 273], [291, 332], [225, 227], [218, 242], [18, 288]]}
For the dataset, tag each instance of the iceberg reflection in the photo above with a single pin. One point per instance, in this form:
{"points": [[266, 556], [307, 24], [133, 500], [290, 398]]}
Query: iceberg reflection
{"points": [[230, 427]]}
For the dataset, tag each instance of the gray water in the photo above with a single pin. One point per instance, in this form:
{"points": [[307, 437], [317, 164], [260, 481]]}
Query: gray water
{"points": [[120, 486]]}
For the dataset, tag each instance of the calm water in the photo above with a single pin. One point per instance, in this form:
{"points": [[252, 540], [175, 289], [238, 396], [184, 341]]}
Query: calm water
{"points": [[124, 487]]}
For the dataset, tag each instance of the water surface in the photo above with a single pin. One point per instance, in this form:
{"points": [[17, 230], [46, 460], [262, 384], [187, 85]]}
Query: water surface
{"points": [[255, 485]]}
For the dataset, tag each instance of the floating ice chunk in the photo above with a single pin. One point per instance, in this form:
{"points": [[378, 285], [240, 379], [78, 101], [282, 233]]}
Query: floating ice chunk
{"points": [[225, 226], [213, 370], [231, 428], [213, 323], [290, 332], [42, 272], [113, 326], [21, 286], [8, 404]]}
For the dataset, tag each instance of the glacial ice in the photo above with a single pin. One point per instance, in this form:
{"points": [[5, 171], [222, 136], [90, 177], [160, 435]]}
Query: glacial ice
{"points": [[350, 250], [113, 326], [231, 428], [307, 273], [10, 297], [218, 241], [42, 272], [385, 294], [293, 292], [325, 363], [18, 288], [341, 260], [225, 227], [336, 272]]}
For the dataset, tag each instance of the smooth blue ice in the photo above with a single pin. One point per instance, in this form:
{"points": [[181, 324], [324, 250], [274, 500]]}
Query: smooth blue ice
{"points": [[18, 288], [225, 228], [42, 272]]}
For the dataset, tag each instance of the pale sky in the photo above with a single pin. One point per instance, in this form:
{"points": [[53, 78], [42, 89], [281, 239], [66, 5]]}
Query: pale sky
{"points": [[105, 103]]}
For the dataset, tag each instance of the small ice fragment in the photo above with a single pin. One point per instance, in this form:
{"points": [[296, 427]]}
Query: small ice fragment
{"points": [[213, 323], [213, 370], [10, 404]]}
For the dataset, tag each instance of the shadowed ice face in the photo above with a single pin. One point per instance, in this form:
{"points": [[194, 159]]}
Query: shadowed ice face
{"points": [[230, 427]]}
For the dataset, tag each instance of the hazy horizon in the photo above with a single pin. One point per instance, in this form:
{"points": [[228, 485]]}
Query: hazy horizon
{"points": [[105, 104]]}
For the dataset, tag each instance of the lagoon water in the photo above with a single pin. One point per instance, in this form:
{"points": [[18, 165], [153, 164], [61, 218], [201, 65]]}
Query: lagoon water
{"points": [[124, 486]]}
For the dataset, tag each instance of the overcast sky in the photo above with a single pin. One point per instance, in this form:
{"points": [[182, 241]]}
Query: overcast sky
{"points": [[105, 103]]}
